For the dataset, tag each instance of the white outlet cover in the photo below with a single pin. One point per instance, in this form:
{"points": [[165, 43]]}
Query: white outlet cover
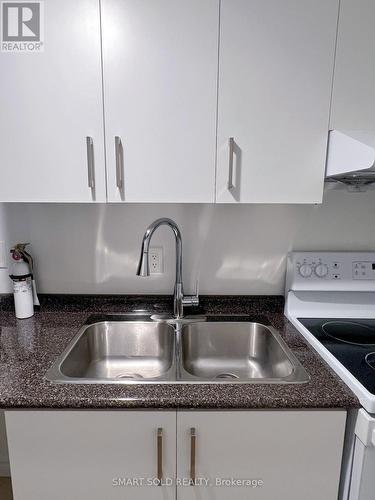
{"points": [[155, 258]]}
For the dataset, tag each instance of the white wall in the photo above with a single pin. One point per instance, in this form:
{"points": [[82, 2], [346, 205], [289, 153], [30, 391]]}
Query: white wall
{"points": [[231, 249]]}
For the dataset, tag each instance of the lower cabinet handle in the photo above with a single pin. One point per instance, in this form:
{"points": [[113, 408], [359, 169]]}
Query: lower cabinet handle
{"points": [[90, 161], [231, 159], [193, 446], [119, 162], [159, 439]]}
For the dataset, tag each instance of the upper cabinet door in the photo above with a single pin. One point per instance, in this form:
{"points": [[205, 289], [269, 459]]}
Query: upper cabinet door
{"points": [[160, 90], [275, 79], [353, 106], [51, 102]]}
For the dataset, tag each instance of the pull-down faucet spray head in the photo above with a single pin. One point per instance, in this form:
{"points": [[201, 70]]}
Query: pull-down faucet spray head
{"points": [[143, 264]]}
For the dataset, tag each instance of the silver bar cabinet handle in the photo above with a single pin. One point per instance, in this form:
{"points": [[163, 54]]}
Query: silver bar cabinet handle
{"points": [[231, 155], [119, 166], [90, 161], [193, 446], [159, 439]]}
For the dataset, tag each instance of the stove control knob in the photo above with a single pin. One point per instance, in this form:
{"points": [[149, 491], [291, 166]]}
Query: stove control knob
{"points": [[321, 270], [305, 270]]}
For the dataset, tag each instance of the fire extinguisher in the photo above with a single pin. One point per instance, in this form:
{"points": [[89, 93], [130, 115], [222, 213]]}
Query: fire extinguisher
{"points": [[24, 289]]}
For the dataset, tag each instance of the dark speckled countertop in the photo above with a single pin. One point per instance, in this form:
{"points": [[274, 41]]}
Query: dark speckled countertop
{"points": [[29, 347]]}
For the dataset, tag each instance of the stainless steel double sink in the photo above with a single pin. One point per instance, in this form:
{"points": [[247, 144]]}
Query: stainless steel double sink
{"points": [[188, 351]]}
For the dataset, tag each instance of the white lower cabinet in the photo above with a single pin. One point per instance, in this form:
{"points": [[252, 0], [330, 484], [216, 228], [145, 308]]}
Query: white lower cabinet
{"points": [[84, 455], [288, 455], [96, 455]]}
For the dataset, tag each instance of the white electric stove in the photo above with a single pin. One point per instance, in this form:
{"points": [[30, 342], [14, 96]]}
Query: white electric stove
{"points": [[330, 299]]}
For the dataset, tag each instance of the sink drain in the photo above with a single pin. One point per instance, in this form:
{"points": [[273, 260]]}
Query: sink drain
{"points": [[227, 375], [129, 376]]}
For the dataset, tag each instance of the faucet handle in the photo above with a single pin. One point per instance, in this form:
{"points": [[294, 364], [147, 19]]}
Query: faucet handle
{"points": [[192, 300], [197, 289]]}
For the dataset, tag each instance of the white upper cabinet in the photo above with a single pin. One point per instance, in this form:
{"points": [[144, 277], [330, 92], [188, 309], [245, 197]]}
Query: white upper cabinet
{"points": [[50, 102], [275, 79], [353, 106], [164, 75], [160, 90]]}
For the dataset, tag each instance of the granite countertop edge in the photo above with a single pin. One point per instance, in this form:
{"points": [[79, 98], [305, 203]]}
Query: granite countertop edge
{"points": [[29, 347]]}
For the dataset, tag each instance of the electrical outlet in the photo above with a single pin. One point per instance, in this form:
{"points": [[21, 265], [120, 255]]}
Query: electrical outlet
{"points": [[156, 260]]}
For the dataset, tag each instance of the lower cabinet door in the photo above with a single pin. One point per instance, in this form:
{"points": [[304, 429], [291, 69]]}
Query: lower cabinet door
{"points": [[262, 455], [91, 455]]}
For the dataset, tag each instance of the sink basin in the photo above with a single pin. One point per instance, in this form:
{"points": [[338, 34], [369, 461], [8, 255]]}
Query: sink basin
{"points": [[185, 351], [238, 351], [121, 351]]}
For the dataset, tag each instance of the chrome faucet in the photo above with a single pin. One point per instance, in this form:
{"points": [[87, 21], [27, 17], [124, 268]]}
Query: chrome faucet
{"points": [[180, 300]]}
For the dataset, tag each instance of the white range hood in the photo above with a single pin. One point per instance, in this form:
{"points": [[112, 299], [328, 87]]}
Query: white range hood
{"points": [[351, 158]]}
